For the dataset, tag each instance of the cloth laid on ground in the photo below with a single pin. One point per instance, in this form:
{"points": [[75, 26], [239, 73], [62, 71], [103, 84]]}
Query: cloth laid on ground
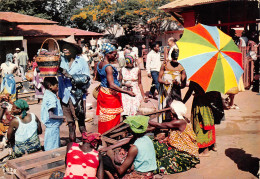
{"points": [[178, 152], [170, 160]]}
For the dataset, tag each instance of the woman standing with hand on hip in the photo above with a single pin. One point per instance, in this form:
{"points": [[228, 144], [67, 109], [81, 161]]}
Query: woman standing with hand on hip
{"points": [[109, 102]]}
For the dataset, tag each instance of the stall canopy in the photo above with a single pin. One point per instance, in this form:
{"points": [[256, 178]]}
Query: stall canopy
{"points": [[225, 13]]}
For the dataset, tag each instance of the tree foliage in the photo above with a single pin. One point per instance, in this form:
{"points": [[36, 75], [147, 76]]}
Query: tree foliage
{"points": [[96, 16], [56, 10], [133, 15], [33, 8]]}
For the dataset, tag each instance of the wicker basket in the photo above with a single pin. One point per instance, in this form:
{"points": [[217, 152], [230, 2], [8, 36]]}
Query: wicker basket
{"points": [[96, 91], [144, 109], [29, 75], [233, 90], [48, 65]]}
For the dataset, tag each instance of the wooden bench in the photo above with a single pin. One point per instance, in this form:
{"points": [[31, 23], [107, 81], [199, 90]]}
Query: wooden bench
{"points": [[121, 130], [39, 165]]}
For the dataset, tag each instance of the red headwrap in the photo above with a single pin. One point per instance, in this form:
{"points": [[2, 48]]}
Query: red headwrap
{"points": [[91, 138]]}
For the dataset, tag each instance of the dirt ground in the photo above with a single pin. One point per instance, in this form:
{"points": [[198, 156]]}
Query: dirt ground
{"points": [[237, 137]]}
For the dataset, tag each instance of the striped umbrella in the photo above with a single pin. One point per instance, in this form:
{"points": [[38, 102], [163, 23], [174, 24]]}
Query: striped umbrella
{"points": [[210, 58]]}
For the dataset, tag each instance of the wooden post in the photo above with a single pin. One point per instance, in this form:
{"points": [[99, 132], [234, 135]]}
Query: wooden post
{"points": [[25, 45]]}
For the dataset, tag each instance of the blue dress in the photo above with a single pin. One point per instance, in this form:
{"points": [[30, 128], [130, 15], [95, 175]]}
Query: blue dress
{"points": [[103, 75], [52, 131]]}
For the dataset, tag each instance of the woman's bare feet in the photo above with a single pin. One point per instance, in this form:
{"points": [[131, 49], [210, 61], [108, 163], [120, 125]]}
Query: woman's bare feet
{"points": [[214, 147], [205, 153]]}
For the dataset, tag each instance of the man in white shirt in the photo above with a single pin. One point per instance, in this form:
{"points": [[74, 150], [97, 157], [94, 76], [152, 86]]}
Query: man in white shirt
{"points": [[23, 62], [153, 65], [173, 46], [17, 50], [135, 51]]}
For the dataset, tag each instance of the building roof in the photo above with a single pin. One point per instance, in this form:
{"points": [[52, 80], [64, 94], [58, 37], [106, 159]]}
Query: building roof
{"points": [[21, 18], [176, 4], [51, 30], [33, 26]]}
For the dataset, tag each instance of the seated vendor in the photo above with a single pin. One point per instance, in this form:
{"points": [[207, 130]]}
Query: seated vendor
{"points": [[25, 128], [179, 151], [141, 154], [5, 116], [83, 160]]}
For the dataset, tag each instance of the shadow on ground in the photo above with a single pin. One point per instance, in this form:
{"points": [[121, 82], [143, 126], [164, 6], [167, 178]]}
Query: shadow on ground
{"points": [[244, 161]]}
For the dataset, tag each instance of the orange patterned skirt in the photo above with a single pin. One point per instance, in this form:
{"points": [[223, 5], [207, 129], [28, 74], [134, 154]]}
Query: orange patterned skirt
{"points": [[109, 108]]}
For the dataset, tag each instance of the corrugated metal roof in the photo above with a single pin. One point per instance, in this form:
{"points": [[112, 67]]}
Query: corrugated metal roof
{"points": [[175, 4], [21, 18], [52, 30]]}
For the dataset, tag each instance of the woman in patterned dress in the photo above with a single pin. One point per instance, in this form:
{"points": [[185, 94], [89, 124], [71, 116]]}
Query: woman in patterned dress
{"points": [[202, 117], [130, 77], [179, 151], [109, 101], [172, 77]]}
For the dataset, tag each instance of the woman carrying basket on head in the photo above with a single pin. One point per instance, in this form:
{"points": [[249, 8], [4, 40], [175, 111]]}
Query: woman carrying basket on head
{"points": [[109, 102]]}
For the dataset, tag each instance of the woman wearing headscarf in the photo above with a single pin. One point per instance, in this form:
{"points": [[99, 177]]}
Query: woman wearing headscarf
{"points": [[109, 102], [141, 154], [25, 128], [8, 82], [202, 117], [130, 78], [83, 160], [178, 152]]}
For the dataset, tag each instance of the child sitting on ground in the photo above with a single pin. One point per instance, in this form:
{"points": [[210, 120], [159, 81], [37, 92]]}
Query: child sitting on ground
{"points": [[51, 114]]}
